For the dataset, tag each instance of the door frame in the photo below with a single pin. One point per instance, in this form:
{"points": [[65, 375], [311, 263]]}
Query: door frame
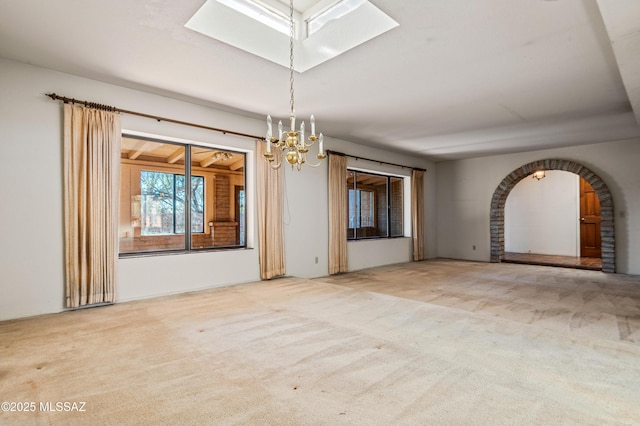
{"points": [[607, 231]]}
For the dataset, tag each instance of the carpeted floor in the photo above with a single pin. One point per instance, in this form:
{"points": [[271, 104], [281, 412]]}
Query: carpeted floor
{"points": [[435, 342]]}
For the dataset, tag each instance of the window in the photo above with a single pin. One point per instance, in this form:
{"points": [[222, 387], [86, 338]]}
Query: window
{"points": [[375, 205], [168, 188], [162, 203]]}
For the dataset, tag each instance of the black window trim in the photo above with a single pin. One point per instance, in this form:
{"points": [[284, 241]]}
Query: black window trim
{"points": [[187, 244], [388, 177]]}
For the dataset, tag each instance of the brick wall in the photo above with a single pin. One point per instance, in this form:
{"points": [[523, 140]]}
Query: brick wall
{"points": [[395, 221], [381, 210], [223, 198], [224, 234]]}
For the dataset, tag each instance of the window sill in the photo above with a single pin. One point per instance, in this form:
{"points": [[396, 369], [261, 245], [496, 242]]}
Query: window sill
{"points": [[349, 240], [180, 252]]}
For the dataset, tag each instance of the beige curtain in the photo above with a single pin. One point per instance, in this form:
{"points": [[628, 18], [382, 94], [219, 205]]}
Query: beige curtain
{"points": [[417, 214], [270, 214], [338, 214], [92, 140]]}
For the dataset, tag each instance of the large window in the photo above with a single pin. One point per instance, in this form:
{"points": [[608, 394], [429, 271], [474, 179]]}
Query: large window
{"points": [[168, 189], [375, 205]]}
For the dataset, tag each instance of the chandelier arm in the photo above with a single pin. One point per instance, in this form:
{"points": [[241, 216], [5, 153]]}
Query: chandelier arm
{"points": [[313, 165], [276, 167], [277, 155]]}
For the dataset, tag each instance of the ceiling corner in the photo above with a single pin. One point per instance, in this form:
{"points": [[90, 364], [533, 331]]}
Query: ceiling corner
{"points": [[622, 21]]}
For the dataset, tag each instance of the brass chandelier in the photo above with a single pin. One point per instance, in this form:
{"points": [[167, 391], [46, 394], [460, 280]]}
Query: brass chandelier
{"points": [[291, 146]]}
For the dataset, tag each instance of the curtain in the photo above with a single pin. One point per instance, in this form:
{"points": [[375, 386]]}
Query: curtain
{"points": [[92, 140], [417, 214], [338, 214], [270, 214]]}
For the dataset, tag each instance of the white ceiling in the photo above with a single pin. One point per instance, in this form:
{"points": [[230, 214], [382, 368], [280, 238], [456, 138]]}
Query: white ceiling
{"points": [[456, 79]]}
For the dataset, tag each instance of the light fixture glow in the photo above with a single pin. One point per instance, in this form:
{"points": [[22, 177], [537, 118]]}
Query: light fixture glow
{"points": [[538, 174]]}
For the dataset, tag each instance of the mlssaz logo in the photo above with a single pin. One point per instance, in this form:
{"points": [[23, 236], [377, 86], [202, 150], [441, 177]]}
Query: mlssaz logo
{"points": [[65, 406]]}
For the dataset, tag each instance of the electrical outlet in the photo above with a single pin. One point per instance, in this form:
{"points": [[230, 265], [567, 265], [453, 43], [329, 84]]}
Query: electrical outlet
{"points": [[316, 260]]}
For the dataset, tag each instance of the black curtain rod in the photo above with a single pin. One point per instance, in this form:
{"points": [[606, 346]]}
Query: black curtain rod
{"points": [[155, 117], [374, 161]]}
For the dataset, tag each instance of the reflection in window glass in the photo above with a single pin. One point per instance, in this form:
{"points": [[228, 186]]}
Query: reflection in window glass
{"points": [[375, 205], [162, 203], [157, 201], [396, 203]]}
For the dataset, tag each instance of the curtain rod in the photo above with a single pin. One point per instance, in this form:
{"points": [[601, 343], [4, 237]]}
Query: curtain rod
{"points": [[155, 117], [374, 161]]}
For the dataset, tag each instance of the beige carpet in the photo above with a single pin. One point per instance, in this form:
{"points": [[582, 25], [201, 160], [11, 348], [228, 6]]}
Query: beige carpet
{"points": [[437, 342]]}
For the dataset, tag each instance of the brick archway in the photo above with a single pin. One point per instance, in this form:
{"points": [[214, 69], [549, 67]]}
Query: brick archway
{"points": [[606, 207]]}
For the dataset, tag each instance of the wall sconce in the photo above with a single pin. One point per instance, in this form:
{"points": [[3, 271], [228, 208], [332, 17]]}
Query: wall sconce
{"points": [[538, 174]]}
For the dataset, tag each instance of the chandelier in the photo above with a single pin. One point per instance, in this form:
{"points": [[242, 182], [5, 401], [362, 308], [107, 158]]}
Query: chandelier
{"points": [[291, 145]]}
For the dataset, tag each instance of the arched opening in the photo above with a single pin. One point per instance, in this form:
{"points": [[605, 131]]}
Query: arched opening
{"points": [[606, 205]]}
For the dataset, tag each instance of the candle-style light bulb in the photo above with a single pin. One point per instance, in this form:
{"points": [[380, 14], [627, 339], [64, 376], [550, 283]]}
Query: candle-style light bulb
{"points": [[313, 125], [320, 143], [268, 143], [301, 140], [293, 122], [280, 130], [269, 128]]}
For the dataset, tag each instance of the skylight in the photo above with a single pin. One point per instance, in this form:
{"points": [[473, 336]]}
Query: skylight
{"points": [[261, 13], [336, 11], [262, 27]]}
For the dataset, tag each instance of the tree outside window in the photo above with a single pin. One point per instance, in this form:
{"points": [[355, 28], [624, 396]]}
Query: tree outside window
{"points": [[163, 200]]}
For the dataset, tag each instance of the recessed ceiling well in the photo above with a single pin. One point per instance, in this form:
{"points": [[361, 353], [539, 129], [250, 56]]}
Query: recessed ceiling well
{"points": [[323, 30]]}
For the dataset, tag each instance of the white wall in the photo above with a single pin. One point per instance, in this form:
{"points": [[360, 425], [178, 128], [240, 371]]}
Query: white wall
{"points": [[541, 216], [31, 247], [465, 188], [369, 253]]}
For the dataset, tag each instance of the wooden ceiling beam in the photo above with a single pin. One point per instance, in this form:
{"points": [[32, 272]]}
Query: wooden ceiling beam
{"points": [[145, 147], [178, 154], [209, 161], [372, 180], [237, 165]]}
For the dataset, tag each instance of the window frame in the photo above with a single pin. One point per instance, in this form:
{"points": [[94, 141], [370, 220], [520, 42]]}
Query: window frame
{"points": [[188, 146], [353, 236]]}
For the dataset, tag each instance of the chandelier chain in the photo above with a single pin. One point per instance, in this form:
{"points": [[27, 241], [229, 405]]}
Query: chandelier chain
{"points": [[292, 145], [291, 57]]}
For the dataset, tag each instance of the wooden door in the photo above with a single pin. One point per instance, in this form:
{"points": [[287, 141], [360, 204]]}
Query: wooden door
{"points": [[589, 221]]}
